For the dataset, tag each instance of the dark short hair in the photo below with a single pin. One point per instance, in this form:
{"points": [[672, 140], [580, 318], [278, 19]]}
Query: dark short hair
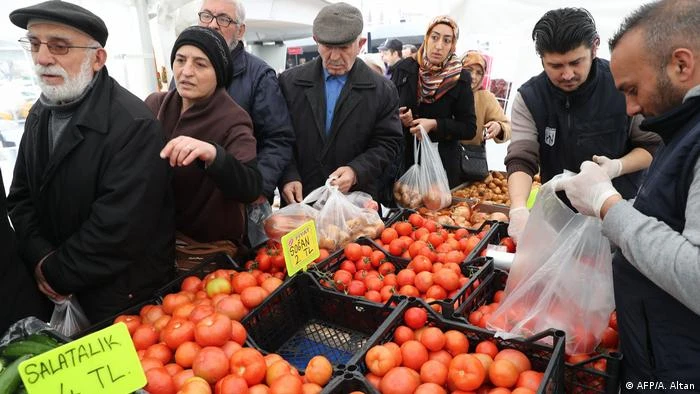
{"points": [[667, 25], [564, 29]]}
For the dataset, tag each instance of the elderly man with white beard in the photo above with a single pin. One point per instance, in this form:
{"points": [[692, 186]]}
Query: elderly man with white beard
{"points": [[90, 199]]}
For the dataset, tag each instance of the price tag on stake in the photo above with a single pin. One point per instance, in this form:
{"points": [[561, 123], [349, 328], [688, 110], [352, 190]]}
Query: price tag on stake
{"points": [[103, 362], [300, 247]]}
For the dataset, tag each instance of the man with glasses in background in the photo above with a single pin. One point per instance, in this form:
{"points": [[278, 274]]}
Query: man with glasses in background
{"points": [[255, 88], [91, 199]]}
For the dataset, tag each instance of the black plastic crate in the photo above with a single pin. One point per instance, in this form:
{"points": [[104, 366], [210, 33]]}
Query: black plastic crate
{"points": [[497, 232], [545, 357], [584, 378], [580, 377], [347, 381], [301, 319], [393, 215]]}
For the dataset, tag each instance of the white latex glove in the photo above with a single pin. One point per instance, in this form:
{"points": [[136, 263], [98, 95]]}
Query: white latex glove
{"points": [[517, 221], [588, 189], [613, 167]]}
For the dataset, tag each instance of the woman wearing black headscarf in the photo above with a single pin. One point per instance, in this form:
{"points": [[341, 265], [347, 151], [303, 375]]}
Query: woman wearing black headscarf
{"points": [[435, 92], [211, 140]]}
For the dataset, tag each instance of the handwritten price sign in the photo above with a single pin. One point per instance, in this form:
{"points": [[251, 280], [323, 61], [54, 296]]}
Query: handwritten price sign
{"points": [[300, 247], [102, 362]]}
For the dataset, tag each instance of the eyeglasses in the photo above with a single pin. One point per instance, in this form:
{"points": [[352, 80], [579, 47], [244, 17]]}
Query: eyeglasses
{"points": [[221, 20], [56, 47]]}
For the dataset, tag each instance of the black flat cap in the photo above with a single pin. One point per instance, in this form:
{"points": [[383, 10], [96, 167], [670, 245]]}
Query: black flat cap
{"points": [[65, 13], [337, 24]]}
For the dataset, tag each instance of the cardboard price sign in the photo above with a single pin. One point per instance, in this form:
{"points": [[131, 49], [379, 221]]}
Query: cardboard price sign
{"points": [[300, 247], [102, 362]]}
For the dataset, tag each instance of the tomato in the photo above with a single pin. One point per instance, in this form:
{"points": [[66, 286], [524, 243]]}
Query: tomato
{"points": [[485, 359], [132, 322], [353, 251], [249, 364], [518, 358], [176, 332], [498, 296], [180, 377], [342, 279], [471, 243], [508, 243], [377, 258], [276, 370], [503, 373], [404, 228], [195, 385], [380, 360], [319, 370], [232, 307], [430, 388], [415, 317], [416, 220], [238, 332], [405, 277], [271, 284], [530, 379], [151, 313], [442, 356], [373, 283], [259, 389], [199, 312], [447, 279], [385, 269], [191, 284], [403, 334], [159, 381], [185, 354], [253, 296], [433, 339], [522, 390], [423, 281], [609, 339], [399, 380], [613, 320], [213, 330], [436, 292], [160, 352], [409, 291], [433, 371], [356, 288], [414, 354], [348, 265], [211, 364], [242, 281], [144, 336], [173, 368], [148, 363], [456, 342], [231, 385], [364, 264], [487, 347], [465, 372], [286, 384]]}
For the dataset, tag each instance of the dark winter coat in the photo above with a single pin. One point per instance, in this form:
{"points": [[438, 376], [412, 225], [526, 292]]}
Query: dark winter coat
{"points": [[101, 202], [365, 134], [18, 290], [454, 113]]}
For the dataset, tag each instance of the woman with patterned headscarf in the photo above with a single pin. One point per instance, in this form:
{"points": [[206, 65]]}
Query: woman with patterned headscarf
{"points": [[489, 114], [435, 92]]}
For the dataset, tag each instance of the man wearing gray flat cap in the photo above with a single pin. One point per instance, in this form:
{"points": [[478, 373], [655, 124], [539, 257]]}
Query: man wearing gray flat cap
{"points": [[90, 199], [345, 116]]}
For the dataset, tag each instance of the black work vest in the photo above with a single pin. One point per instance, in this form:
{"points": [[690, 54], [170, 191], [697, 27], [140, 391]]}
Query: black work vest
{"points": [[572, 127], [659, 336]]}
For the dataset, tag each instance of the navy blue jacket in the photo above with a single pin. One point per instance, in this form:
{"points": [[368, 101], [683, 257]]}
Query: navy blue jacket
{"points": [[658, 334]]}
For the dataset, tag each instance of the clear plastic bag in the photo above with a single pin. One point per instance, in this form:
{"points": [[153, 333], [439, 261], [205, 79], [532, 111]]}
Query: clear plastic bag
{"points": [[287, 219], [435, 189], [425, 182], [68, 317], [340, 221], [561, 277]]}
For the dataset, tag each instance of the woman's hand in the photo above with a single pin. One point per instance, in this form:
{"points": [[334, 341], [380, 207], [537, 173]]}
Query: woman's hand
{"points": [[428, 124], [182, 151], [493, 130], [406, 116]]}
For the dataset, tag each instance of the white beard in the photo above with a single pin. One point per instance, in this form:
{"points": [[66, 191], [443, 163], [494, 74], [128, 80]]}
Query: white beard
{"points": [[71, 88]]}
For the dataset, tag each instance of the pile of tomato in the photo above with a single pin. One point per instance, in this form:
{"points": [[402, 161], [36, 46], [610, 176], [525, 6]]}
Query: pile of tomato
{"points": [[424, 359], [192, 342]]}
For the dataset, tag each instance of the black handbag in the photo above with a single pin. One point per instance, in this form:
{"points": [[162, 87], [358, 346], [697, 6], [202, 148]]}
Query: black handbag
{"points": [[473, 162]]}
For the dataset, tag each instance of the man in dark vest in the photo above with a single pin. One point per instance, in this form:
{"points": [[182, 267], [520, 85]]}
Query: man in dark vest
{"points": [[569, 113], [656, 270]]}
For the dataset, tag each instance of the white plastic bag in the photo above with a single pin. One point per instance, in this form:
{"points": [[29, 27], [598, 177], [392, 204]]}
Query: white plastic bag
{"points": [[340, 221], [561, 277], [68, 317], [287, 219]]}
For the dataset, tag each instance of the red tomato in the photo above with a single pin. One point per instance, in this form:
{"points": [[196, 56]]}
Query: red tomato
{"points": [[508, 243], [465, 373], [415, 317]]}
